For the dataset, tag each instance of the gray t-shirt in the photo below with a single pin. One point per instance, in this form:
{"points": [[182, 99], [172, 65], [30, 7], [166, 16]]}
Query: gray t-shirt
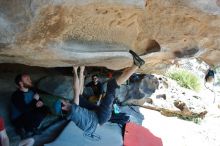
{"points": [[85, 119]]}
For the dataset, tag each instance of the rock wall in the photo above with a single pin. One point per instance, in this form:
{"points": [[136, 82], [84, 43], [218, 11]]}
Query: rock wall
{"points": [[100, 33], [186, 28]]}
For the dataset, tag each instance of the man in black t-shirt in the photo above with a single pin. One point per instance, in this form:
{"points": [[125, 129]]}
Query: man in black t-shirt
{"points": [[97, 88]]}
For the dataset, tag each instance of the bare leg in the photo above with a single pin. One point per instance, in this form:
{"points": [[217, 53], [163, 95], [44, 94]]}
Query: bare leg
{"points": [[76, 86], [81, 79], [78, 83], [126, 74]]}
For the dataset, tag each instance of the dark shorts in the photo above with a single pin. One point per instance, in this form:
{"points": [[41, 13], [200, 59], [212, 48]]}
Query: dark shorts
{"points": [[30, 120]]}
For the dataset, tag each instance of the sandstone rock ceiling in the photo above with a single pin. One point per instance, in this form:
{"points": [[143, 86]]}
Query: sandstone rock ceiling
{"points": [[55, 33]]}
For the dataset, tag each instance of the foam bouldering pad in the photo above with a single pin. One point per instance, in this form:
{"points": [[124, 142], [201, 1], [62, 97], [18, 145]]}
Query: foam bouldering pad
{"points": [[110, 135], [137, 135]]}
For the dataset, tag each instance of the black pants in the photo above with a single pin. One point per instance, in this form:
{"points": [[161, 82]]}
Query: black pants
{"points": [[31, 119]]}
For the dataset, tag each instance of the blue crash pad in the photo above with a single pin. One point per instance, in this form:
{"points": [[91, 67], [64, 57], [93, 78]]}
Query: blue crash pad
{"points": [[110, 134]]}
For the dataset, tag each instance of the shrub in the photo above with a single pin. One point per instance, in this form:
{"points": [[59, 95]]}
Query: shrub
{"points": [[185, 79]]}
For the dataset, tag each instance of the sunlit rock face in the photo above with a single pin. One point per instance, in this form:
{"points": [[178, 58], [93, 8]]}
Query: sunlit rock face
{"points": [[100, 33], [186, 28]]}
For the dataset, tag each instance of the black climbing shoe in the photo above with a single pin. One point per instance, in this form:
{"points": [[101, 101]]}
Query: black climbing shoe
{"points": [[137, 60]]}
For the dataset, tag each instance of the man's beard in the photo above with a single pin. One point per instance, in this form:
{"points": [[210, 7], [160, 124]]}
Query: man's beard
{"points": [[28, 85]]}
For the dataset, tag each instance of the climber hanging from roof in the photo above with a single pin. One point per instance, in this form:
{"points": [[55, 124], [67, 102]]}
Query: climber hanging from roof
{"points": [[88, 120]]}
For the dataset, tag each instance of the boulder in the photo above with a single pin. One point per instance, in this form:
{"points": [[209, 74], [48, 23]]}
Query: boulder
{"points": [[135, 91], [99, 33], [172, 100], [57, 85], [138, 90]]}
